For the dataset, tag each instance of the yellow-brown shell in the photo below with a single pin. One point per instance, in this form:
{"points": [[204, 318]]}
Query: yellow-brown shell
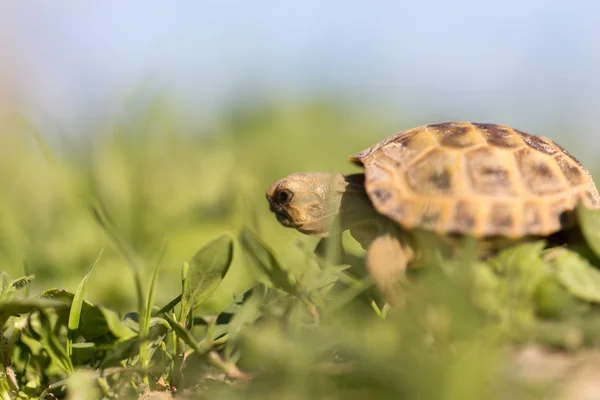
{"points": [[477, 179]]}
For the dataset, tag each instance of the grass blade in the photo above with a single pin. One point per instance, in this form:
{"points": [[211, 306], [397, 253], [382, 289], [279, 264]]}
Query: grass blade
{"points": [[76, 306], [145, 322], [170, 305], [150, 300], [184, 334]]}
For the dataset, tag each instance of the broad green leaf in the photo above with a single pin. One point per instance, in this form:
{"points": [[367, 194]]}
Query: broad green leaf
{"points": [[92, 323], [263, 257], [115, 325], [156, 321], [76, 305], [581, 330], [156, 336], [207, 269], [247, 312], [22, 306], [580, 278], [524, 258], [520, 269], [485, 287], [95, 321], [552, 300], [119, 351], [589, 221], [84, 353]]}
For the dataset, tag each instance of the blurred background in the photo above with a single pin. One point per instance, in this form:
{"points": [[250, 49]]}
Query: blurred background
{"points": [[171, 118]]}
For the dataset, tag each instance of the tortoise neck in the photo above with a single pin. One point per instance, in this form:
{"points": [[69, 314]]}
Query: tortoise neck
{"points": [[355, 206]]}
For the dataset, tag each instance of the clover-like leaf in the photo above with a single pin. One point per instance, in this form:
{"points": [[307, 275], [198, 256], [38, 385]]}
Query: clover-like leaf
{"points": [[206, 271], [579, 277], [266, 261], [589, 221], [512, 278], [552, 300]]}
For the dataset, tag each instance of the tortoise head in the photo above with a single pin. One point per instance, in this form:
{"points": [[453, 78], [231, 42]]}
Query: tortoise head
{"points": [[316, 203]]}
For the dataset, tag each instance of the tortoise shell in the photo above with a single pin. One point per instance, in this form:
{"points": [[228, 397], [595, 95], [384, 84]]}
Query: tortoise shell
{"points": [[483, 180]]}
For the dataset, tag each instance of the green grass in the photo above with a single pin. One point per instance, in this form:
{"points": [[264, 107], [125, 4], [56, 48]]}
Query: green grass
{"points": [[159, 268]]}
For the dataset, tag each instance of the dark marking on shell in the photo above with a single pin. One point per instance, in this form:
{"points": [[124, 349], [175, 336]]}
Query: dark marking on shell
{"points": [[432, 174], [501, 216], [488, 170], [382, 195], [570, 170], [457, 135], [536, 172], [593, 199], [396, 150], [404, 140], [463, 217], [537, 143], [571, 156], [384, 158], [531, 217], [441, 180], [495, 173], [399, 212], [499, 136], [543, 170], [442, 126], [487, 127], [430, 217], [399, 136]]}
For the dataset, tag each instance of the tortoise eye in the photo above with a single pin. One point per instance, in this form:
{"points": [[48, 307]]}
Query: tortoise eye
{"points": [[285, 196]]}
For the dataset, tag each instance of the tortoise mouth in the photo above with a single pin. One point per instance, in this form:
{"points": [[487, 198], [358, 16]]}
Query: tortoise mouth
{"points": [[284, 219], [281, 214]]}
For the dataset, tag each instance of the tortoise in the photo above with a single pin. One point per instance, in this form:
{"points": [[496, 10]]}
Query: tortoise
{"points": [[452, 179]]}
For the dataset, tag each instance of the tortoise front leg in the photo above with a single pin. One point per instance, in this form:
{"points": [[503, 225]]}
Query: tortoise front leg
{"points": [[387, 258]]}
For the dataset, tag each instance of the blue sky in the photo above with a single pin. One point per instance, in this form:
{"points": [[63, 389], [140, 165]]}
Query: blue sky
{"points": [[531, 63]]}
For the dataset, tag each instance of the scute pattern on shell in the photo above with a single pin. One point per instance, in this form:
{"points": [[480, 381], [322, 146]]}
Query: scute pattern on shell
{"points": [[478, 179]]}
